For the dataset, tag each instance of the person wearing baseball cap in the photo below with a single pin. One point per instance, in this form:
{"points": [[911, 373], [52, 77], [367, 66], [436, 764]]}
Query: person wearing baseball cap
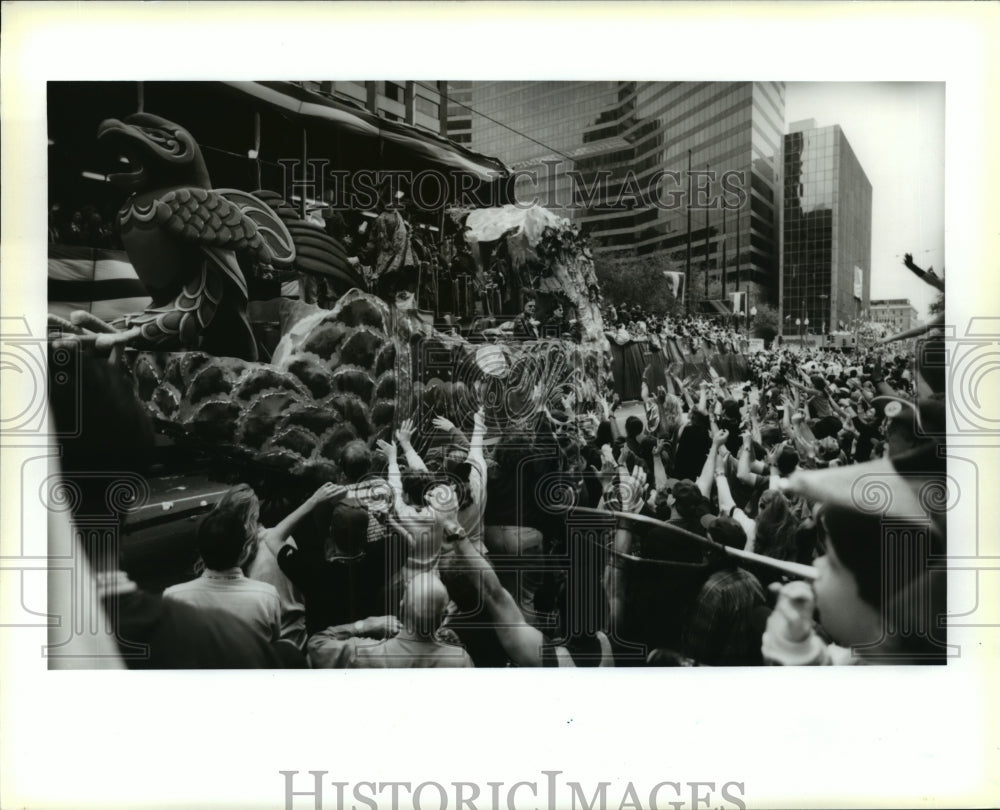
{"points": [[909, 424]]}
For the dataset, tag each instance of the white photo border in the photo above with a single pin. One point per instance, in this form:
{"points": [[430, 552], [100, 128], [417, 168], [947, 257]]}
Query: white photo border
{"points": [[823, 737]]}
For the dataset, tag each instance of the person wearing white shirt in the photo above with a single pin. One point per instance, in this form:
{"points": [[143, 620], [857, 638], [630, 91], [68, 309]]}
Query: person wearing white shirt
{"points": [[223, 585]]}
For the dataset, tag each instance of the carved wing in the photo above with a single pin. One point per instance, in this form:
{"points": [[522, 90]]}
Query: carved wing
{"points": [[226, 219], [269, 225]]}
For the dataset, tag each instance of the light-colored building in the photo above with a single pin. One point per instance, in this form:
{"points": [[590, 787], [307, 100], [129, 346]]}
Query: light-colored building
{"points": [[419, 103], [897, 314]]}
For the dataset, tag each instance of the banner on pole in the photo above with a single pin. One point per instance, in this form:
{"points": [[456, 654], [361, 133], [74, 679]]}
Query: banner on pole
{"points": [[739, 302], [675, 283], [859, 289]]}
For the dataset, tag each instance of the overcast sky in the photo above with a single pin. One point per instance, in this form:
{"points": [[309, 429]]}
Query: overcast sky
{"points": [[897, 132]]}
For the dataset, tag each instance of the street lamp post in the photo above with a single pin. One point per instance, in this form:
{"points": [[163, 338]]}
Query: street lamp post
{"points": [[753, 314], [857, 324], [798, 327], [806, 322]]}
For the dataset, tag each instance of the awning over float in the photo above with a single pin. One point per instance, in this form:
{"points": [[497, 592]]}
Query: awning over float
{"points": [[347, 119]]}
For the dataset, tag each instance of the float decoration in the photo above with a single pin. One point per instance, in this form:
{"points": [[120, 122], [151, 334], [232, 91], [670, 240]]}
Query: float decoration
{"points": [[191, 245], [333, 379]]}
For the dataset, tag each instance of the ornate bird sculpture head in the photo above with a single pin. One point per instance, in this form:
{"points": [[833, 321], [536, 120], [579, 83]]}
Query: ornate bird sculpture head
{"points": [[159, 153]]}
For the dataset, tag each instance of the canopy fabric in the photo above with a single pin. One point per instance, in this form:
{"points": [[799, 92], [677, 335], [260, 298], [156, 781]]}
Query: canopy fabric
{"points": [[351, 120], [102, 282], [714, 307], [489, 224]]}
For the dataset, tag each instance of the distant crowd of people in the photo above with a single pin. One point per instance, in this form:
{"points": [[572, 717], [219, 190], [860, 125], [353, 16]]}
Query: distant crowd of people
{"points": [[633, 323], [86, 226]]}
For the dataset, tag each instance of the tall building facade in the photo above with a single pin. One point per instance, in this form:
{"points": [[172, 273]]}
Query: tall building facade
{"points": [[687, 172], [458, 111], [826, 231], [420, 103]]}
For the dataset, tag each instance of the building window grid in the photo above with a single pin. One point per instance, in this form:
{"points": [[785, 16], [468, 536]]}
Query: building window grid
{"points": [[729, 143]]}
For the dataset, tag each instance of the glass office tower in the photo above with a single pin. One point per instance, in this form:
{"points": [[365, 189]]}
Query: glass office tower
{"points": [[826, 231], [615, 157]]}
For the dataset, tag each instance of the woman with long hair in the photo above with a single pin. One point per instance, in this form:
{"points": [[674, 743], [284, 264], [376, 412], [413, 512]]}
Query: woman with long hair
{"points": [[259, 557], [777, 527]]}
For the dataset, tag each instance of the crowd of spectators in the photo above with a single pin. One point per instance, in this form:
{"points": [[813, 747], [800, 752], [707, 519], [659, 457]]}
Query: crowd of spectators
{"points": [[633, 323], [730, 514], [87, 226]]}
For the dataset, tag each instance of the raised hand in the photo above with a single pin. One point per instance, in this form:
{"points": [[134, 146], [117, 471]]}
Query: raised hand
{"points": [[772, 457], [388, 448], [440, 423], [607, 455], [380, 626], [720, 461], [405, 432], [327, 492], [633, 489]]}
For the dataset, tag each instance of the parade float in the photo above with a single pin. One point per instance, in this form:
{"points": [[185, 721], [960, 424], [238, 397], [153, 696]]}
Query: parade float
{"points": [[349, 370], [347, 364]]}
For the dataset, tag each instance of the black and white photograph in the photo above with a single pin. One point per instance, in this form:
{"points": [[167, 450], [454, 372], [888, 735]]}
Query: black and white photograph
{"points": [[489, 374], [653, 378]]}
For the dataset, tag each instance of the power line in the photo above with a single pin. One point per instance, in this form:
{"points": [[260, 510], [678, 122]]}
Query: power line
{"points": [[495, 121]]}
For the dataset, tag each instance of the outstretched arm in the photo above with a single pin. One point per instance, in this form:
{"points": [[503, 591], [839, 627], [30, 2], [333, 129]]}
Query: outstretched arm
{"points": [[405, 438], [274, 537], [727, 506], [703, 398], [743, 472], [478, 434], [522, 642], [708, 468], [803, 437], [447, 426], [395, 477], [928, 276]]}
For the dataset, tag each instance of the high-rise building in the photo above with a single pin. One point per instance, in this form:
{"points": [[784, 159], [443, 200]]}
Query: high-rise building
{"points": [[615, 157], [412, 102], [898, 314], [826, 231], [458, 111]]}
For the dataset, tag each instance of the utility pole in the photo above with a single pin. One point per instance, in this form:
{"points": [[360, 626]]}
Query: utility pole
{"points": [[723, 253], [687, 266], [706, 242], [737, 250]]}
